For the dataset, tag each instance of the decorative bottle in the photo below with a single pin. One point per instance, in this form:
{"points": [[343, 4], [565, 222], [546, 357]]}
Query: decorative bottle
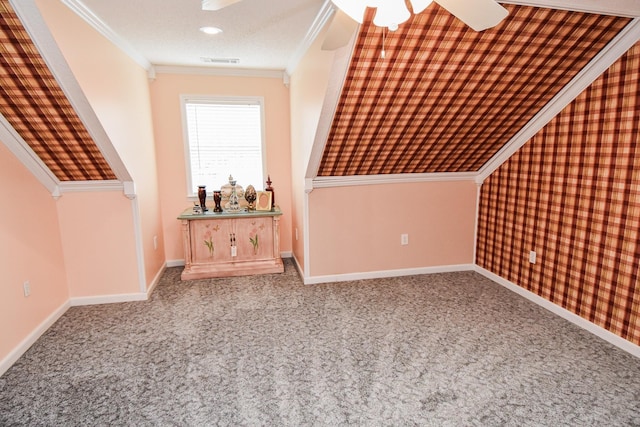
{"points": [[217, 197], [273, 193], [202, 195]]}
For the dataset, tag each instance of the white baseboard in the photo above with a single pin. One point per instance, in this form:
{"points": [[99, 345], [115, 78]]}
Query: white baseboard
{"points": [[155, 280], [17, 352], [600, 332], [286, 254], [107, 299], [298, 266], [175, 263], [313, 280]]}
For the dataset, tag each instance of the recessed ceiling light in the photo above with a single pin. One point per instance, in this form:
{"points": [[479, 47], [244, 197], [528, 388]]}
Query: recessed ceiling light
{"points": [[210, 30]]}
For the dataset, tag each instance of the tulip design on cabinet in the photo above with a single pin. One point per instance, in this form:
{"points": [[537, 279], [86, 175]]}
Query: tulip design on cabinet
{"points": [[253, 237], [208, 240]]}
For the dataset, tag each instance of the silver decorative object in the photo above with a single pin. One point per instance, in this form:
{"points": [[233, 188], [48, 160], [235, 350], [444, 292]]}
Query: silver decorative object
{"points": [[233, 206]]}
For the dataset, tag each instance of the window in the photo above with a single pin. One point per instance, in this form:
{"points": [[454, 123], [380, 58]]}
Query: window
{"points": [[224, 136]]}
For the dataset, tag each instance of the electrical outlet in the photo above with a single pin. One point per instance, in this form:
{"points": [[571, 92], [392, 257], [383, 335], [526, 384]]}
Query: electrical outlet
{"points": [[404, 239], [26, 287], [532, 257], [155, 242], [296, 233]]}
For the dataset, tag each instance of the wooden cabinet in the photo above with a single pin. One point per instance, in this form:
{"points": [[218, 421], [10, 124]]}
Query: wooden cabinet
{"points": [[224, 244]]}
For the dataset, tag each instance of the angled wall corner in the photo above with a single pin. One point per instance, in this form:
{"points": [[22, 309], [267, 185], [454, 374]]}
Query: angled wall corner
{"points": [[628, 37], [38, 31]]}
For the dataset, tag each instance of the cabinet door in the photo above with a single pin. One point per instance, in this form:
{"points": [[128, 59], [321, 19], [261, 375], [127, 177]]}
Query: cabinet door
{"points": [[254, 238], [210, 240]]}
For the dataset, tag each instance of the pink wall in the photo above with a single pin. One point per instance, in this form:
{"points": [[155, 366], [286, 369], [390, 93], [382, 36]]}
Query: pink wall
{"points": [[99, 243], [308, 85], [357, 229], [30, 249], [118, 91], [167, 117]]}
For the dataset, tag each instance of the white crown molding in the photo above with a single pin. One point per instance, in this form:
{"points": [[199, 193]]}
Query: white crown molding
{"points": [[23, 152], [313, 280], [217, 71], [322, 18], [610, 337], [90, 186], [598, 65], [101, 27], [355, 180], [626, 8]]}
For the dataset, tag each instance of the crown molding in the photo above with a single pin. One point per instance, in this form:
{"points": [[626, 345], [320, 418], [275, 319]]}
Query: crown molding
{"points": [[322, 18], [594, 69], [626, 8], [356, 180], [100, 26], [23, 152], [90, 186], [216, 71]]}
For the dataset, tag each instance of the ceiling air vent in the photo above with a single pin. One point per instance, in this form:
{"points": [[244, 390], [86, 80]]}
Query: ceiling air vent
{"points": [[221, 60]]}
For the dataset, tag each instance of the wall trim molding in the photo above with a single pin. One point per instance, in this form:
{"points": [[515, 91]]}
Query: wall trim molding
{"points": [[600, 332], [218, 71], [107, 299], [314, 280], [30, 339], [626, 8], [25, 155], [139, 246], [594, 69], [324, 16], [80, 9], [156, 280], [175, 263], [90, 186], [298, 267], [355, 180]]}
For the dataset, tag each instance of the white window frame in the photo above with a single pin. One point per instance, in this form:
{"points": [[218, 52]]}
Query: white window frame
{"points": [[217, 99]]}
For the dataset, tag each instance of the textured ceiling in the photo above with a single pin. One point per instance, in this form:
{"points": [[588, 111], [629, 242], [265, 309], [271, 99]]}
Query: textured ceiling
{"points": [[447, 98], [35, 106], [261, 34]]}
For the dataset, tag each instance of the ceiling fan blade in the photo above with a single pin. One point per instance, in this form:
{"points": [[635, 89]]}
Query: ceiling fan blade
{"points": [[217, 4], [478, 14]]}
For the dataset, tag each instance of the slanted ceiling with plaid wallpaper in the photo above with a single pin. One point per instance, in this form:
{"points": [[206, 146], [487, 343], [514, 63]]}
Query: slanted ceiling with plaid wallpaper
{"points": [[572, 194], [447, 98], [36, 107]]}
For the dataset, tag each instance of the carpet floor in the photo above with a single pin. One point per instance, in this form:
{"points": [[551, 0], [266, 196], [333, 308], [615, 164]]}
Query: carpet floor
{"points": [[450, 349]]}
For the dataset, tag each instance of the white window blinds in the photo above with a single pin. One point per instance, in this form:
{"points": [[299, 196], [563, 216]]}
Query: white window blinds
{"points": [[224, 137]]}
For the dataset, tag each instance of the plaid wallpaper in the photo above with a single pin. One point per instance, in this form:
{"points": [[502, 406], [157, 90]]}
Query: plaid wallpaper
{"points": [[36, 107], [572, 194], [447, 98]]}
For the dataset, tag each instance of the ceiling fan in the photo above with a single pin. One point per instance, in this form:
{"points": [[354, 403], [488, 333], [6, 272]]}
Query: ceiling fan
{"points": [[217, 4], [477, 14]]}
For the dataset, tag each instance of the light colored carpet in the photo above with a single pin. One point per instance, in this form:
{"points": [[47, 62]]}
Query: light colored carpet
{"points": [[444, 350]]}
